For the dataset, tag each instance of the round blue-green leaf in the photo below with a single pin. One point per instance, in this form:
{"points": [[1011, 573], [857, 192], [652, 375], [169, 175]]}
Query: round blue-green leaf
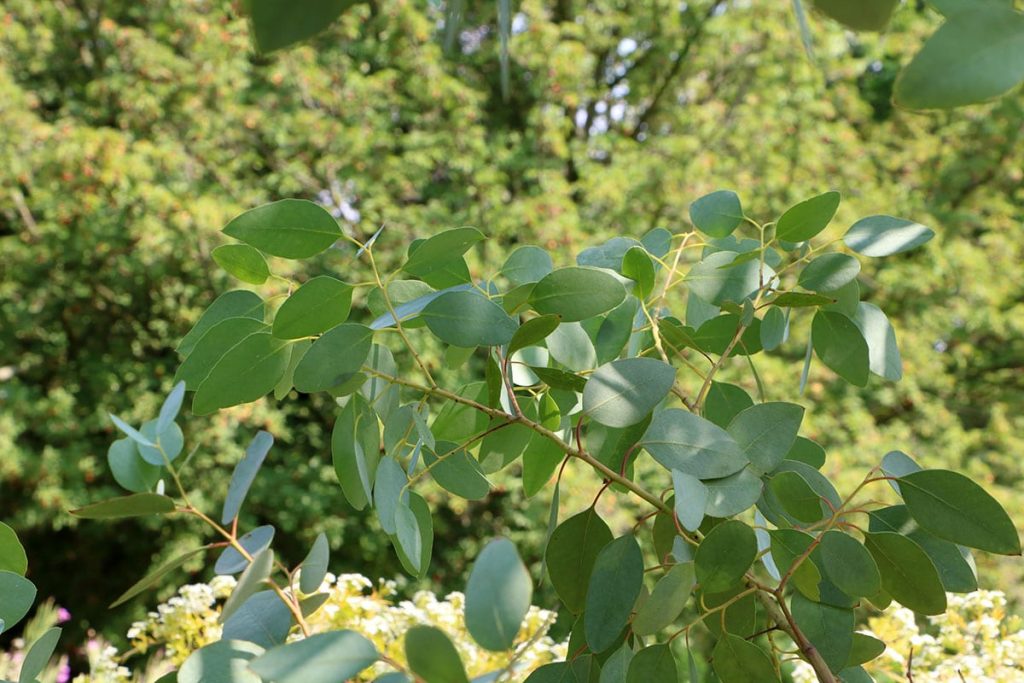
{"points": [[624, 392], [908, 574], [498, 596], [12, 553], [766, 432], [724, 402], [289, 228], [829, 272], [724, 555], [731, 495], [170, 441], [322, 658], [716, 280], [320, 304], [886, 235], [975, 56], [667, 600], [653, 664], [637, 266], [577, 293], [808, 452], [468, 319], [736, 660], [129, 469], [243, 262], [849, 565], [808, 218], [691, 497], [796, 497], [456, 471], [263, 619], [223, 661], [244, 374], [238, 303], [16, 597], [717, 214], [614, 586], [570, 555], [231, 561], [38, 656], [682, 441], [432, 657], [135, 505], [955, 508], [841, 346], [571, 346], [533, 331], [527, 264], [333, 358]]}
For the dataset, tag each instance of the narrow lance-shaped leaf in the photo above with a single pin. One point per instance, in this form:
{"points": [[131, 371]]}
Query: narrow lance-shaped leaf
{"points": [[244, 475], [39, 655], [136, 505], [314, 567]]}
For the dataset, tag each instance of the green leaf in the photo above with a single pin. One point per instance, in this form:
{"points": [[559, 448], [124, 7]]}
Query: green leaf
{"points": [[716, 281], [624, 392], [737, 661], [863, 15], [262, 619], [570, 555], [436, 252], [16, 597], [468, 319], [608, 255], [614, 586], [128, 467], [432, 657], [232, 562], [616, 667], [540, 460], [717, 214], [829, 272], [616, 330], [314, 567], [666, 602], [39, 655], [242, 262], [387, 491], [244, 374], [278, 24], [808, 218], [682, 441], [414, 535], [223, 661], [908, 574], [244, 474], [322, 658], [653, 664], [559, 379], [801, 300], [170, 408], [571, 346], [12, 553], [456, 471], [724, 402], [884, 236], [533, 331], [156, 575], [849, 565], [883, 352], [691, 497], [289, 228], [556, 672], [135, 505], [955, 508], [171, 441], [212, 346], [355, 450], [133, 434], [498, 596], [238, 303], [797, 497], [864, 649], [829, 628], [527, 264], [318, 305], [766, 432], [577, 293], [637, 266], [334, 357], [249, 583], [975, 56], [808, 452], [841, 346], [724, 555], [774, 329]]}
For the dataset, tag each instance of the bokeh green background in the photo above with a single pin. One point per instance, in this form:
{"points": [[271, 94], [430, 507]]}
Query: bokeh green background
{"points": [[131, 132]]}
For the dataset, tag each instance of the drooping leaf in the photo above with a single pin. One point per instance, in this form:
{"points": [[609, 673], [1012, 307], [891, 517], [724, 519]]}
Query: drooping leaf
{"points": [[884, 236], [38, 655], [244, 374], [955, 508], [774, 329], [766, 432], [243, 262], [244, 474], [908, 574], [666, 602], [616, 667], [170, 407], [724, 402], [435, 252], [355, 450], [317, 306], [864, 649], [571, 346], [614, 586], [135, 505], [863, 15], [289, 228], [637, 266], [715, 280], [540, 460], [222, 661], [617, 330], [691, 498], [724, 555], [829, 272], [737, 661], [806, 219], [16, 597], [717, 214], [883, 353], [682, 441], [456, 471], [12, 553], [432, 657], [577, 293], [498, 596], [232, 562], [849, 565], [468, 319], [624, 392], [829, 628], [321, 658], [841, 346], [249, 583], [238, 303], [570, 555], [975, 56], [414, 535], [334, 358], [263, 619], [156, 575], [314, 567]]}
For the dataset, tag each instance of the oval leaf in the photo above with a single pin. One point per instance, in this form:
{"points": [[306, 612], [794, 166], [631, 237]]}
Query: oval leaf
{"points": [[317, 306], [577, 293], [614, 586], [624, 392], [289, 228], [498, 596], [322, 658], [468, 319]]}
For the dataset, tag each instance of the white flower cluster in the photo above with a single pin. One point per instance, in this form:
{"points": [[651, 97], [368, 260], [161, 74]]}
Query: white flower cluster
{"points": [[975, 640]]}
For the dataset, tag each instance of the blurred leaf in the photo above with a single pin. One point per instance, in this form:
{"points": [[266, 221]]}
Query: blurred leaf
{"points": [[321, 658], [278, 24], [223, 661], [432, 656], [498, 596]]}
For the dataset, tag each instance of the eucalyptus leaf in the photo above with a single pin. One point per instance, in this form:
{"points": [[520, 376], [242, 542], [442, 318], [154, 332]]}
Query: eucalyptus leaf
{"points": [[498, 596], [289, 228]]}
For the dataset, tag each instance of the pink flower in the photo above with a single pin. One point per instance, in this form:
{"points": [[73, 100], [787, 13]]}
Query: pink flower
{"points": [[64, 674], [63, 616]]}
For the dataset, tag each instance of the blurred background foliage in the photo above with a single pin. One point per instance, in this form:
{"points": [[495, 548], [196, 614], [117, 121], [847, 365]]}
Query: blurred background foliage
{"points": [[131, 132]]}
